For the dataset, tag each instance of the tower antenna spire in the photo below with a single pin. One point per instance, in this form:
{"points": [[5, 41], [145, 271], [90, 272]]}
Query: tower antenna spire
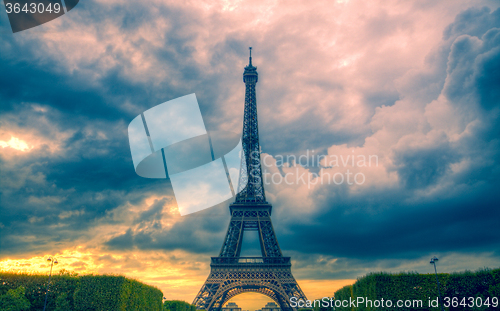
{"points": [[250, 48]]}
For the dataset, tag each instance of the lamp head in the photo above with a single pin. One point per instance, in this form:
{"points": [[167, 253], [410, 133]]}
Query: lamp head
{"points": [[56, 262], [49, 259]]}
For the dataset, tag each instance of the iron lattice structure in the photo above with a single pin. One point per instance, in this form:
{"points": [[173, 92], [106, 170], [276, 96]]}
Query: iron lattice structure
{"points": [[231, 274]]}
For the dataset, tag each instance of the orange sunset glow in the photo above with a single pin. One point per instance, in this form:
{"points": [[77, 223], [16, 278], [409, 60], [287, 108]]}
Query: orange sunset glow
{"points": [[179, 281]]}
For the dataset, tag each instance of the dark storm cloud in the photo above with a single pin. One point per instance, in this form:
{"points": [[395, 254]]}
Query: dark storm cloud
{"points": [[93, 174], [124, 241], [197, 233], [474, 22], [153, 214], [398, 223], [81, 95], [399, 230], [423, 167]]}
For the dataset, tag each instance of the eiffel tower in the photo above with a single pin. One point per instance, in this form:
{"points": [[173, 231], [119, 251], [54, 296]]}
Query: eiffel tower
{"points": [[230, 273]]}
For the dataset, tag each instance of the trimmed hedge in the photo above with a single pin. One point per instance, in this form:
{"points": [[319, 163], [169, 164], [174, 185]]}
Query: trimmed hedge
{"points": [[15, 300], [105, 292], [89, 292], [36, 286], [178, 305], [413, 286]]}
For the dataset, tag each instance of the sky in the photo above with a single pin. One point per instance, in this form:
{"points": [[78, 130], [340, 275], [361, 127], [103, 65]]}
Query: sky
{"points": [[411, 85]]}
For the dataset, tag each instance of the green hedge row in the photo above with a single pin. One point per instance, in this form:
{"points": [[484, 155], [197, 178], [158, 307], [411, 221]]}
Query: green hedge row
{"points": [[15, 300], [89, 292], [419, 287], [104, 292], [35, 287], [178, 305]]}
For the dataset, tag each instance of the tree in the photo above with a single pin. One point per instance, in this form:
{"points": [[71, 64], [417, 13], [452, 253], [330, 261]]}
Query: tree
{"points": [[15, 300]]}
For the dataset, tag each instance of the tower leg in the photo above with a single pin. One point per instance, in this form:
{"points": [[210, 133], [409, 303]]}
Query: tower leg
{"points": [[223, 284]]}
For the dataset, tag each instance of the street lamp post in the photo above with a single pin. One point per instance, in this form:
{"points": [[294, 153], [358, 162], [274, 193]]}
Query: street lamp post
{"points": [[53, 261], [433, 262]]}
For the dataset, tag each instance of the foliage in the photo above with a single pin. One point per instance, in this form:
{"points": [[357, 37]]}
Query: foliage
{"points": [[413, 286], [68, 291], [177, 305], [67, 273], [36, 286], [14, 300], [98, 292], [63, 303], [139, 296], [106, 292]]}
